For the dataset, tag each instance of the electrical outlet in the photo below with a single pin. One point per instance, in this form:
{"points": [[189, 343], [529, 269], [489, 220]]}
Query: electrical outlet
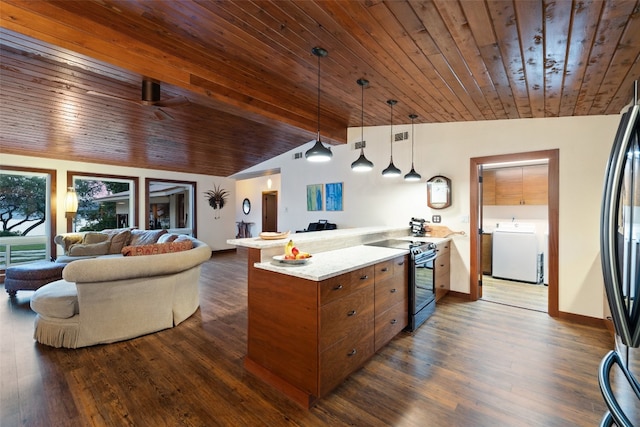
{"points": [[436, 219]]}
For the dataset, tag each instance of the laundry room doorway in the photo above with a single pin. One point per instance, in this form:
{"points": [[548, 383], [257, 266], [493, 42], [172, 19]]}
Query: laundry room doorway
{"points": [[514, 207]]}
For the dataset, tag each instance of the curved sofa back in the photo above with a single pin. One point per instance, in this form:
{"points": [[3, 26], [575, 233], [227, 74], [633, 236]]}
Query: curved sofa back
{"points": [[105, 269]]}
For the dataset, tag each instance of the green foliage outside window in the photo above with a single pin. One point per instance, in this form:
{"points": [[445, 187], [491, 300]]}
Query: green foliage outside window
{"points": [[96, 215], [23, 202]]}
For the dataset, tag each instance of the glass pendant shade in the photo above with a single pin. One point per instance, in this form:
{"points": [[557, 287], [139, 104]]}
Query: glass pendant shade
{"points": [[318, 153], [412, 175], [391, 170], [362, 164]]}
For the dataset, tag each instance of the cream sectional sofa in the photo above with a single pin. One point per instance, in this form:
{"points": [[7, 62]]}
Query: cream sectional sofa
{"points": [[111, 298]]}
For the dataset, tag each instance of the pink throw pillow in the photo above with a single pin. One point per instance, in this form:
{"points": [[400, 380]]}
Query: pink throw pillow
{"points": [[157, 248]]}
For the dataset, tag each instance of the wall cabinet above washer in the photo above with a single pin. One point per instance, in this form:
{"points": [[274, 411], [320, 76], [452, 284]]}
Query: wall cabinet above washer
{"points": [[522, 185]]}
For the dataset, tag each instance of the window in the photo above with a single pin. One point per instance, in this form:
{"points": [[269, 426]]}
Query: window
{"points": [[104, 202], [26, 215], [171, 205]]}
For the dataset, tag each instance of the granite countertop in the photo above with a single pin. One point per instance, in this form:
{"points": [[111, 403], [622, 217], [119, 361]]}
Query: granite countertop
{"points": [[314, 236], [324, 265]]}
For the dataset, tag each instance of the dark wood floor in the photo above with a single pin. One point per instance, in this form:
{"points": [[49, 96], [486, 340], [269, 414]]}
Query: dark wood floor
{"points": [[472, 364]]}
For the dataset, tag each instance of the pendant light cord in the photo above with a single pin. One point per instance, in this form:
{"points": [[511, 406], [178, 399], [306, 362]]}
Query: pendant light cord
{"points": [[318, 97], [391, 138], [362, 119], [412, 138]]}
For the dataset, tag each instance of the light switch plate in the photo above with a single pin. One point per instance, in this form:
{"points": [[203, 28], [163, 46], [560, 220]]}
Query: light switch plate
{"points": [[436, 218]]}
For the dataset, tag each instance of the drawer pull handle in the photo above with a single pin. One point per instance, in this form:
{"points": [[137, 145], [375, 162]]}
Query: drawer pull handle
{"points": [[385, 269], [365, 277], [351, 313], [394, 321], [337, 287], [352, 352], [393, 291], [401, 263]]}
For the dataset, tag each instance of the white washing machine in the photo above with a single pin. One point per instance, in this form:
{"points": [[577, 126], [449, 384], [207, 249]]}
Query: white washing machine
{"points": [[515, 252]]}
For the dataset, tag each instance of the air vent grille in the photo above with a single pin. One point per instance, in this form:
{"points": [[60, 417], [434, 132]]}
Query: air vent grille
{"points": [[360, 144], [401, 136], [297, 155]]}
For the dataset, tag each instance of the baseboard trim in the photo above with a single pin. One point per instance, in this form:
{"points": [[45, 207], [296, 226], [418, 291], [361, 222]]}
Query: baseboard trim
{"points": [[575, 318], [460, 295], [222, 251]]}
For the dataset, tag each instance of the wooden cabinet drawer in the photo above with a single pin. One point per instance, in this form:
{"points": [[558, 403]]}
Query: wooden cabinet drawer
{"points": [[442, 263], [343, 358], [339, 286], [400, 265], [390, 322], [442, 248], [442, 270], [352, 313], [383, 270], [390, 292], [442, 278]]}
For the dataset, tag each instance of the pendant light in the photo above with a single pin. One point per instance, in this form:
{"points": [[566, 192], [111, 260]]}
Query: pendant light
{"points": [[318, 153], [362, 164], [412, 175], [391, 170]]}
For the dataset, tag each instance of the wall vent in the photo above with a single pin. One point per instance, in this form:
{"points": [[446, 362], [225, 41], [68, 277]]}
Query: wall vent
{"points": [[297, 155], [360, 144], [401, 136]]}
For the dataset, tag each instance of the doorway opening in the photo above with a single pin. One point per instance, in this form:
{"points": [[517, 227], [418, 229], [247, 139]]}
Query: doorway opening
{"points": [[514, 230], [478, 276], [269, 211]]}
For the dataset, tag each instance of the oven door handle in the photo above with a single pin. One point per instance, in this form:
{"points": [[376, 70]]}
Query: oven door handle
{"points": [[419, 260]]}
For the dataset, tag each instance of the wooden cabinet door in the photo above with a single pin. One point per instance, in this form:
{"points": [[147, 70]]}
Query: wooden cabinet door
{"points": [[487, 257], [509, 186], [489, 187], [535, 185], [526, 185]]}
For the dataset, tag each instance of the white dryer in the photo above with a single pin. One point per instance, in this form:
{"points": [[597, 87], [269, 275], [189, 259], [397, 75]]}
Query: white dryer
{"points": [[515, 252]]}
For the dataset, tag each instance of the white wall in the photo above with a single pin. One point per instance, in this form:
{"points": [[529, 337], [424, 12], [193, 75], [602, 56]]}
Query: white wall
{"points": [[252, 189], [214, 232], [445, 149], [440, 149]]}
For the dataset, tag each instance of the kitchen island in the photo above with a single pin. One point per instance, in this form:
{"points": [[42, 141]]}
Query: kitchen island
{"points": [[311, 325]]}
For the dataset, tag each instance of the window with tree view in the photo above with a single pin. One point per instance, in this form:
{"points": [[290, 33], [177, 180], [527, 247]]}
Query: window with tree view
{"points": [[24, 215], [103, 203]]}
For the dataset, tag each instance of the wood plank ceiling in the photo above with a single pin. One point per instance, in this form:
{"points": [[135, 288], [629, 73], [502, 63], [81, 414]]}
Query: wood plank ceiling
{"points": [[239, 82]]}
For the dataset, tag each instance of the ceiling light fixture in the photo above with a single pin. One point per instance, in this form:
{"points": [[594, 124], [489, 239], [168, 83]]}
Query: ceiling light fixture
{"points": [[318, 153], [362, 164], [391, 170], [412, 175]]}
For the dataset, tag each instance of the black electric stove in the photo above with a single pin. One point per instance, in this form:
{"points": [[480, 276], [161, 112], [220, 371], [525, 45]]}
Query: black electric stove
{"points": [[421, 278]]}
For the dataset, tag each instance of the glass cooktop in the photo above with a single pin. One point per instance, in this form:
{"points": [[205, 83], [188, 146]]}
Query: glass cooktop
{"points": [[392, 243]]}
